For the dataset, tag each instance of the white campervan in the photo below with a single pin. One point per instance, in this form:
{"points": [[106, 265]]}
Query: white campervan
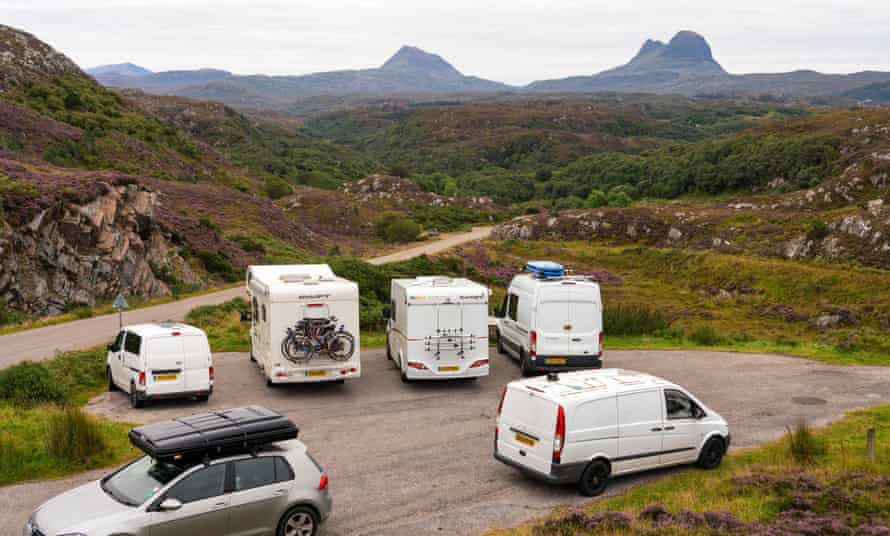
{"points": [[304, 323], [437, 328], [586, 426], [550, 321], [156, 361]]}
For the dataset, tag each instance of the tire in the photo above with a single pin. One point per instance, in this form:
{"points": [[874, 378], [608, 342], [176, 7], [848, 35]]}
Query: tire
{"points": [[500, 345], [298, 521], [594, 479], [136, 401], [112, 387], [388, 351], [298, 349], [202, 398], [342, 346], [270, 384], [250, 348], [525, 365], [712, 453]]}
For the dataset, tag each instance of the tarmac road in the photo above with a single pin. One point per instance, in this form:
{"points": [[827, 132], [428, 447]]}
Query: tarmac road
{"points": [[43, 343], [417, 458]]}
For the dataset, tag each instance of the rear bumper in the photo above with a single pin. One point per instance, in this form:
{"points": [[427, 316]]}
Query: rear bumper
{"points": [[572, 362], [332, 373], [433, 374], [168, 396], [560, 473]]}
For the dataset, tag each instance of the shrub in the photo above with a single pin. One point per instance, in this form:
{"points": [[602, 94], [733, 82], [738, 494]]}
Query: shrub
{"points": [[276, 187], [28, 383], [818, 231], [803, 446], [596, 199], [398, 170], [74, 436], [215, 263], [618, 199], [393, 227], [634, 320], [705, 336], [11, 316]]}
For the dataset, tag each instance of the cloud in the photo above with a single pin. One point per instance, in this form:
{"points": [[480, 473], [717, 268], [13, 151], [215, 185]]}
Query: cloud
{"points": [[515, 41]]}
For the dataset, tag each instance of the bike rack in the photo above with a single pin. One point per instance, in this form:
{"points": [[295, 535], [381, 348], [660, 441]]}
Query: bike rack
{"points": [[449, 339]]}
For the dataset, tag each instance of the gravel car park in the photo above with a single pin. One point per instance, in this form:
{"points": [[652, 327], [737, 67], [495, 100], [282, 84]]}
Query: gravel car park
{"points": [[408, 459]]}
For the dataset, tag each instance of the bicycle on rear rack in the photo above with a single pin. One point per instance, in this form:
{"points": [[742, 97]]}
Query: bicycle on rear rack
{"points": [[317, 336]]}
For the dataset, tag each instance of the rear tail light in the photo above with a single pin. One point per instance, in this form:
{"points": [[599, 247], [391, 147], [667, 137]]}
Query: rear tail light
{"points": [[142, 378], [323, 482], [479, 363], [176, 334], [501, 403], [417, 365], [601, 341], [559, 437], [533, 347], [496, 423], [281, 374], [211, 373]]}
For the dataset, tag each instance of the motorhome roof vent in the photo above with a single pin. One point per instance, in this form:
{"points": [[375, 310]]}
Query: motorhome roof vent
{"points": [[545, 269]]}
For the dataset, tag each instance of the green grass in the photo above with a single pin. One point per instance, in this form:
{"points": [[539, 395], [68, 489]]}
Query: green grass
{"points": [[680, 285], [698, 490]]}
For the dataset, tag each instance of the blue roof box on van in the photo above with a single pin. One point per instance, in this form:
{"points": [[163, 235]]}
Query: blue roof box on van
{"points": [[545, 268]]}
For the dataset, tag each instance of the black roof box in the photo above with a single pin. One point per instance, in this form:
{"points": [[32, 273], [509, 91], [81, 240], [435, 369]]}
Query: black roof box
{"points": [[214, 433]]}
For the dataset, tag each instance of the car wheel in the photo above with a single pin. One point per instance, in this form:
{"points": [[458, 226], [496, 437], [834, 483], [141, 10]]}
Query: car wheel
{"points": [[525, 364], [136, 401], [712, 453], [112, 387], [595, 478], [298, 521]]}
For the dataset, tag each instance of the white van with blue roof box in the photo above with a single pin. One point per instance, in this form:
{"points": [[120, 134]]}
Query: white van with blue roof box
{"points": [[584, 427], [551, 321], [437, 328]]}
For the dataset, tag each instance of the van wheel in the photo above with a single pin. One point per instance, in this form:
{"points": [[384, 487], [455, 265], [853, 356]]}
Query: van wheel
{"points": [[269, 383], [136, 401], [298, 521], [202, 398], [525, 365], [594, 479], [112, 387], [712, 453], [388, 352]]}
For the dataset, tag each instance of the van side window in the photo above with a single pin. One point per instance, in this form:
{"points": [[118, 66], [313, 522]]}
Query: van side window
{"points": [[392, 306], [118, 342], [513, 306], [132, 343], [264, 312], [678, 405], [255, 311]]}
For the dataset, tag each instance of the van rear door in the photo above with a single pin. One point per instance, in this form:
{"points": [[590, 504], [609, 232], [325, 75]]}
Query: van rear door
{"points": [[164, 365], [197, 360], [526, 427], [449, 342], [584, 320], [553, 320]]}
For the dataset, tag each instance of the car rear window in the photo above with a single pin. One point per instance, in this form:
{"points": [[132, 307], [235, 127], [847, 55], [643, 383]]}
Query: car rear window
{"points": [[132, 343]]}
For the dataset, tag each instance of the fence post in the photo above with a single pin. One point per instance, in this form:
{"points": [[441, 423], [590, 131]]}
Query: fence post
{"points": [[870, 444]]}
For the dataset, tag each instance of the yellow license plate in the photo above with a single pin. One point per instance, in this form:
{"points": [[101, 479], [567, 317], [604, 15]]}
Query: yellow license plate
{"points": [[555, 361], [449, 368], [165, 377], [525, 440], [316, 373]]}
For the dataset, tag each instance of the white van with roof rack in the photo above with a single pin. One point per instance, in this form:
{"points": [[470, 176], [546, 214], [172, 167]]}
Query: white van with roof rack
{"points": [[437, 328], [158, 361], [551, 321], [304, 323], [584, 427]]}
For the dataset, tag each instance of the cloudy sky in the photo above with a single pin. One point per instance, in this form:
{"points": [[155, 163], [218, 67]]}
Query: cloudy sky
{"points": [[514, 41]]}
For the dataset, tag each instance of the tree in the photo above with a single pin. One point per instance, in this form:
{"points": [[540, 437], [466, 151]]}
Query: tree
{"points": [[402, 230], [596, 199], [277, 188]]}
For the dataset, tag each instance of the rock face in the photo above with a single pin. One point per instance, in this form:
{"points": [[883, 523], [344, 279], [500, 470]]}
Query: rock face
{"points": [[24, 57], [75, 254]]}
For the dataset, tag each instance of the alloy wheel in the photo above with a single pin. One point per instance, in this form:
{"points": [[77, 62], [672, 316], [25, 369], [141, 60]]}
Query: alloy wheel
{"points": [[299, 524]]}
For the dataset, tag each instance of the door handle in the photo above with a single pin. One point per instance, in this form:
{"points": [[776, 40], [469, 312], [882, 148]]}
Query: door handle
{"points": [[656, 429], [280, 492], [668, 427], [219, 505]]}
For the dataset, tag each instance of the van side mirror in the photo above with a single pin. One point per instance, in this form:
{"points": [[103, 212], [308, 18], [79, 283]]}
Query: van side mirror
{"points": [[169, 505], [698, 413], [387, 313], [246, 316]]}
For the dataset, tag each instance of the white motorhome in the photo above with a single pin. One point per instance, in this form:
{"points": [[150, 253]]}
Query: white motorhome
{"points": [[551, 321], [157, 361], [437, 328], [304, 323], [584, 427]]}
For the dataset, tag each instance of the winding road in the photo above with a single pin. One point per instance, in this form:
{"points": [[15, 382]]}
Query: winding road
{"points": [[42, 343]]}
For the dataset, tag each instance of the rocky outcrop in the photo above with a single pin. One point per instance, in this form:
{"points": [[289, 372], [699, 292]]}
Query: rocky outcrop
{"points": [[23, 57], [77, 253]]}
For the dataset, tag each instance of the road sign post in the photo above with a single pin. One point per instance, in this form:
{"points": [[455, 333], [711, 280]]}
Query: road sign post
{"points": [[120, 303]]}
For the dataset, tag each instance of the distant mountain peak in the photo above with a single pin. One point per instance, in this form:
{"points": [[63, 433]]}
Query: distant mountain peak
{"points": [[651, 46], [689, 45], [687, 53], [413, 59], [122, 69]]}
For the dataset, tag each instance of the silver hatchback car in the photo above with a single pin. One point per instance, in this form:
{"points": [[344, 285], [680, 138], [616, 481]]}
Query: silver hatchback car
{"points": [[277, 490]]}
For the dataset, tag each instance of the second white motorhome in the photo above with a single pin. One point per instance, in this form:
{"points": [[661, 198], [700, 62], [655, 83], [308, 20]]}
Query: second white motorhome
{"points": [[437, 328], [304, 323]]}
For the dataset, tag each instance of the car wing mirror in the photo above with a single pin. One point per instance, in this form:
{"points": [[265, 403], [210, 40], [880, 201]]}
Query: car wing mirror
{"points": [[387, 314], [246, 316], [169, 505]]}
